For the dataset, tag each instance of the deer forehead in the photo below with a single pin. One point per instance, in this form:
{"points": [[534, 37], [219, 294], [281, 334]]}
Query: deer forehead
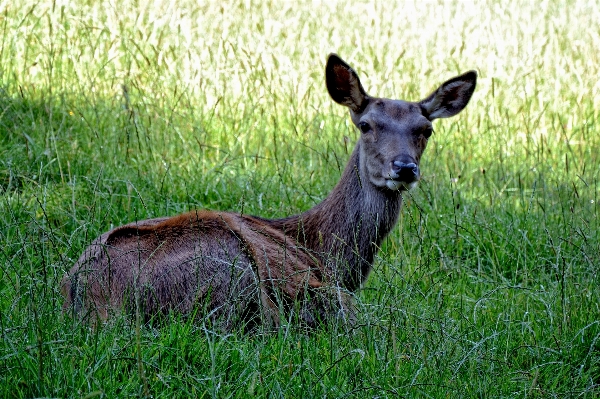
{"points": [[396, 108]]}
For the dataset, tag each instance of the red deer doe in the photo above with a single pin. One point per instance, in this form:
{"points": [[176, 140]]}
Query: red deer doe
{"points": [[241, 270]]}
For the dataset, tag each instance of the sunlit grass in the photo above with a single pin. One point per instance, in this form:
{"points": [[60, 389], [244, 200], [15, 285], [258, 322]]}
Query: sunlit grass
{"points": [[112, 112]]}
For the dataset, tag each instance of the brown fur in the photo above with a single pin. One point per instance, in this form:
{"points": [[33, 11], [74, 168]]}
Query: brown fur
{"points": [[236, 268]]}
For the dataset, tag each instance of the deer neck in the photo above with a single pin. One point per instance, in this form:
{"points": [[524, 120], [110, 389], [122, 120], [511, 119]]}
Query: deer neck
{"points": [[347, 228]]}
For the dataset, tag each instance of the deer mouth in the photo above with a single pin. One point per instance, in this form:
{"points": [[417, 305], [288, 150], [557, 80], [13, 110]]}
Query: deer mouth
{"points": [[401, 185]]}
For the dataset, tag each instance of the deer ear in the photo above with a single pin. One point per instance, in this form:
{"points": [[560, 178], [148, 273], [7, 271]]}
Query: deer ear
{"points": [[343, 84], [451, 97]]}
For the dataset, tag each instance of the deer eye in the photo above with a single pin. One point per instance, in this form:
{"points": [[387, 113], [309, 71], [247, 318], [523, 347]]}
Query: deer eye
{"points": [[426, 132], [364, 127]]}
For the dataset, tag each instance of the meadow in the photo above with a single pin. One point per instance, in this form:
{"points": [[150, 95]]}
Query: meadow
{"points": [[118, 111]]}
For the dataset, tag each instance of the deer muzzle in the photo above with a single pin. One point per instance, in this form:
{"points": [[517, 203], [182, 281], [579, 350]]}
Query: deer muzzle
{"points": [[403, 176]]}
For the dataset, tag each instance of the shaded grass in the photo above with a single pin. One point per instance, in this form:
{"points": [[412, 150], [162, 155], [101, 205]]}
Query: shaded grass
{"points": [[488, 287]]}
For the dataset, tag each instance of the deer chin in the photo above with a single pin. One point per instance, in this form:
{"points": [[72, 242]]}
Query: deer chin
{"points": [[396, 185]]}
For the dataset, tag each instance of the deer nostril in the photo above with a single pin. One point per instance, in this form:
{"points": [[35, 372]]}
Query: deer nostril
{"points": [[405, 171], [397, 166]]}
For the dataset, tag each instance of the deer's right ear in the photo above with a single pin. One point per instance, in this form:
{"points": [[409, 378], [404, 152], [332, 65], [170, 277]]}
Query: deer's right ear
{"points": [[343, 84]]}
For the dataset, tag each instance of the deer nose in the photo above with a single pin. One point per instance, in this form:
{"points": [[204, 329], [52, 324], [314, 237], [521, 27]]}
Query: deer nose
{"points": [[407, 172]]}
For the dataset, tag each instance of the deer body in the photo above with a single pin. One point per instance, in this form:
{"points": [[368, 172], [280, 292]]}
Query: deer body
{"points": [[236, 268]]}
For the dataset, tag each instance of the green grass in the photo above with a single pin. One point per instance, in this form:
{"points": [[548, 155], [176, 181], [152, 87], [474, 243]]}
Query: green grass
{"points": [[488, 287]]}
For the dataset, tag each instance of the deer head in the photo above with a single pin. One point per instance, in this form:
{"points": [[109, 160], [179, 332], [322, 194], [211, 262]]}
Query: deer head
{"points": [[394, 133]]}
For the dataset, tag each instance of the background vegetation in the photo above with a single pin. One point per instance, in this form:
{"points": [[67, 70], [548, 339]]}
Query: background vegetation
{"points": [[123, 110]]}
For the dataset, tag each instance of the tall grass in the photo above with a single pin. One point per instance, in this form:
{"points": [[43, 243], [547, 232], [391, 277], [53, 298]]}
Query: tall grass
{"points": [[113, 112]]}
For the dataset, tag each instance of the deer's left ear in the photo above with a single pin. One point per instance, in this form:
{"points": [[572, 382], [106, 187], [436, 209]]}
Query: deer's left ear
{"points": [[451, 97]]}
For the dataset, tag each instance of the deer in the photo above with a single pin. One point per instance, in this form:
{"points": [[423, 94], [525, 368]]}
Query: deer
{"points": [[233, 269]]}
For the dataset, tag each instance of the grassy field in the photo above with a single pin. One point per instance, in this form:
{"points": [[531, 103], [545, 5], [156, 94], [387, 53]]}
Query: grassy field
{"points": [[113, 112]]}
